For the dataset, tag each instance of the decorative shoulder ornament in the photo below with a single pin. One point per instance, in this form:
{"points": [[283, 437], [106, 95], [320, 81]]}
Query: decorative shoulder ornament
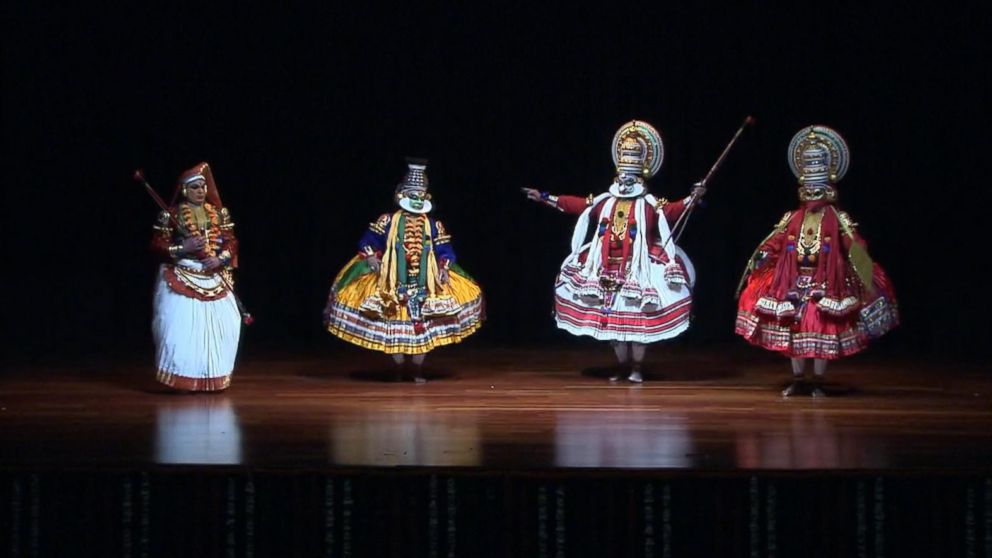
{"points": [[379, 225], [638, 151], [846, 221], [225, 219], [164, 222], [442, 233], [784, 221]]}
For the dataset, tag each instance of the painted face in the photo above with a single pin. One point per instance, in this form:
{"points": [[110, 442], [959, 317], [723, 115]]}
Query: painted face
{"points": [[817, 192], [417, 198], [196, 191], [627, 183]]}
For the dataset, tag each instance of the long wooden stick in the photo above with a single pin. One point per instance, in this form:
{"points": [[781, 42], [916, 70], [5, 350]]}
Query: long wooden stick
{"points": [[680, 223]]}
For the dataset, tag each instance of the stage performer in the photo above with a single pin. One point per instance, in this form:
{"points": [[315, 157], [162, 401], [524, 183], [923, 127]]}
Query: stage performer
{"points": [[404, 294], [197, 322], [810, 290], [629, 283]]}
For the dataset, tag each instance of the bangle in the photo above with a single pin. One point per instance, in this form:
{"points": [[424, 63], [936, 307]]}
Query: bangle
{"points": [[175, 250]]}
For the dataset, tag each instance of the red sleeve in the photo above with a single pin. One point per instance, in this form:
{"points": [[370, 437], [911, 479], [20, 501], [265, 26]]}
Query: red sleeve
{"points": [[673, 210], [160, 246], [231, 246], [774, 244], [573, 205], [162, 238]]}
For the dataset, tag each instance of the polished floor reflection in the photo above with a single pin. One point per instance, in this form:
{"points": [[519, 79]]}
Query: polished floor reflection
{"points": [[505, 409], [414, 436], [197, 431]]}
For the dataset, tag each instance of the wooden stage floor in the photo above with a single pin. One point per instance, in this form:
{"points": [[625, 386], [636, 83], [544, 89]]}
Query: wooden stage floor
{"points": [[493, 409]]}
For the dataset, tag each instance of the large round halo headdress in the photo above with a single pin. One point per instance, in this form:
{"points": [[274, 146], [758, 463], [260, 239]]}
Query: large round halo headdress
{"points": [[638, 149], [817, 137]]}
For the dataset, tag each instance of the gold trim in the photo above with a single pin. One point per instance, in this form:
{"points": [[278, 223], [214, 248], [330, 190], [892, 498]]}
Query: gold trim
{"points": [[184, 383], [404, 348]]}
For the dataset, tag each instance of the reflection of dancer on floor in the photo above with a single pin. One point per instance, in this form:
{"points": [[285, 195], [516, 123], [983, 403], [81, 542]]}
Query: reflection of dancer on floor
{"points": [[629, 284], [403, 294], [812, 291]]}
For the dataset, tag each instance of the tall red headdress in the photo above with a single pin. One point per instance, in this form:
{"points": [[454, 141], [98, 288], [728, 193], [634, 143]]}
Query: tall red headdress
{"points": [[200, 171]]}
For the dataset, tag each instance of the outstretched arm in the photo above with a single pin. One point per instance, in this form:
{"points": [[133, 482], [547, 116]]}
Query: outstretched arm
{"points": [[573, 205]]}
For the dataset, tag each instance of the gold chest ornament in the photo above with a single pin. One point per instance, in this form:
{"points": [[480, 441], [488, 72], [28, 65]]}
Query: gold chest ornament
{"points": [[809, 244], [200, 217], [413, 243], [621, 216]]}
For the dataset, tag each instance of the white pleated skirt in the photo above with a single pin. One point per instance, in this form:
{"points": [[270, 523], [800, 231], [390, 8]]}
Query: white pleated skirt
{"points": [[196, 341]]}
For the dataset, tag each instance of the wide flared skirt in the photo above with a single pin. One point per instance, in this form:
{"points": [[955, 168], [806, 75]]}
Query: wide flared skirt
{"points": [[631, 313], [814, 330], [348, 316]]}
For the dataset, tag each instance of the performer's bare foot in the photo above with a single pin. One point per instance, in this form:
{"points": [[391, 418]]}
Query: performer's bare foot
{"points": [[797, 387], [419, 378], [635, 377]]}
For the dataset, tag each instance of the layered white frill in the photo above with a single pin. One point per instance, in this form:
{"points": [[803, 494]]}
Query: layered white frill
{"points": [[650, 303]]}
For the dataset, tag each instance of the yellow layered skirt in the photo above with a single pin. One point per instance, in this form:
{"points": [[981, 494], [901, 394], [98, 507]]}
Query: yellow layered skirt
{"points": [[345, 316]]}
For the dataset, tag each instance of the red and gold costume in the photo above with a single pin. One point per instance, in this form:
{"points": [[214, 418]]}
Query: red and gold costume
{"points": [[210, 221], [627, 282], [197, 324], [812, 290], [626, 309]]}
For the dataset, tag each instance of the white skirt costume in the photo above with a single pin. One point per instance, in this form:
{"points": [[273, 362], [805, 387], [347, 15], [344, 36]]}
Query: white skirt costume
{"points": [[196, 341], [642, 307]]}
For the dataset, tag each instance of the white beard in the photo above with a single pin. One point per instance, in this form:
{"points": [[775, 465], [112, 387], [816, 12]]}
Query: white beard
{"points": [[637, 191]]}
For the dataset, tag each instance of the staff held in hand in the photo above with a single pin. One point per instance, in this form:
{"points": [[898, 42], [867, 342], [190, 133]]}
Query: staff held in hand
{"points": [[194, 245]]}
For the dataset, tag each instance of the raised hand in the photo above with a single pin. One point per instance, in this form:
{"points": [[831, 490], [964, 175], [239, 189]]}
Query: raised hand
{"points": [[532, 194], [698, 190], [374, 263]]}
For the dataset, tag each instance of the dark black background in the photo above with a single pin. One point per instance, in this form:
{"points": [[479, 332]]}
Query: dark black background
{"points": [[305, 117]]}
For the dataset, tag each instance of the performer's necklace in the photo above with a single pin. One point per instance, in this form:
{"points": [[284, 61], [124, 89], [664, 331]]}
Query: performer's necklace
{"points": [[621, 214], [200, 217], [809, 241]]}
